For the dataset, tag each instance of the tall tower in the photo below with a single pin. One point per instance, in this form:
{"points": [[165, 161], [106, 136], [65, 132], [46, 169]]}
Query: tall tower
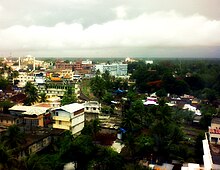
{"points": [[19, 63], [34, 63]]}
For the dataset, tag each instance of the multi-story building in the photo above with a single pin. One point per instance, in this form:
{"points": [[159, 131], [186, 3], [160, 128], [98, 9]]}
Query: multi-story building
{"points": [[70, 117], [83, 67], [214, 131], [61, 65], [92, 110], [23, 78], [114, 69], [57, 89]]}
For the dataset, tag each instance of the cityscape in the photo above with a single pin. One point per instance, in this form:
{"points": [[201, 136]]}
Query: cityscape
{"points": [[141, 114], [109, 85]]}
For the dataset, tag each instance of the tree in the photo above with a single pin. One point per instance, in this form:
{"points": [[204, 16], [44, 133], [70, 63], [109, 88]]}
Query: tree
{"points": [[92, 128], [98, 87], [7, 159], [31, 93], [42, 97], [107, 159], [3, 83], [5, 105], [68, 97], [13, 137]]}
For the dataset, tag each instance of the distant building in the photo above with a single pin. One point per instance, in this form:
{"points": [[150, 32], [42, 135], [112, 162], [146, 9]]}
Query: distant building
{"points": [[69, 117], [149, 62], [61, 65], [23, 78], [114, 69]]}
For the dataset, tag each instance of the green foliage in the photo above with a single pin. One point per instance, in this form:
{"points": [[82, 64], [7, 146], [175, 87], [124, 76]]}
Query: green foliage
{"points": [[98, 87], [13, 137], [107, 159], [5, 105], [68, 97], [91, 128], [31, 94], [42, 97], [3, 83]]}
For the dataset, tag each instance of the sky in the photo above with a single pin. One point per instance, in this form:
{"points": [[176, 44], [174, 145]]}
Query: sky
{"points": [[110, 28]]}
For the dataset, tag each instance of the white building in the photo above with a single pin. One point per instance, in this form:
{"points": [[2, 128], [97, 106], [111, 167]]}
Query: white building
{"points": [[23, 78], [114, 69], [214, 131], [92, 110], [70, 117]]}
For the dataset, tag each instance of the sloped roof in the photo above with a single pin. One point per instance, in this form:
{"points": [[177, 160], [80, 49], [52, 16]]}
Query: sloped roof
{"points": [[71, 108], [30, 110]]}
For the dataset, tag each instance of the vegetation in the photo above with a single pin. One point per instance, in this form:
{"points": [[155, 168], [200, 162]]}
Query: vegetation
{"points": [[69, 97], [31, 93]]}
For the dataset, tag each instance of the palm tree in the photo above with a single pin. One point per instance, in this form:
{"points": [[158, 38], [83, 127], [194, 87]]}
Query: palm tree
{"points": [[13, 137], [7, 160], [42, 97], [32, 94]]}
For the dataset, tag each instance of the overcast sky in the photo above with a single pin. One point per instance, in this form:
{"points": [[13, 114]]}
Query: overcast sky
{"points": [[110, 28]]}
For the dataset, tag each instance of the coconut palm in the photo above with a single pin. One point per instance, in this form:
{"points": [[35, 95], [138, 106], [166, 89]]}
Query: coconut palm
{"points": [[31, 93]]}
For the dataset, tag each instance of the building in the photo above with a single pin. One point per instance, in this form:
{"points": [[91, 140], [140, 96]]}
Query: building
{"points": [[114, 69], [57, 89], [92, 110], [69, 117], [61, 65], [214, 131], [23, 78], [7, 120], [32, 116]]}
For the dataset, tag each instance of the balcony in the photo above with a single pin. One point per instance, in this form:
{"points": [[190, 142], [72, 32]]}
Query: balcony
{"points": [[67, 119], [58, 126]]}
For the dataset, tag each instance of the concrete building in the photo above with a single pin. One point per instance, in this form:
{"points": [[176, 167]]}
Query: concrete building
{"points": [[92, 110], [61, 65], [214, 131], [114, 69], [32, 116], [69, 117], [23, 78]]}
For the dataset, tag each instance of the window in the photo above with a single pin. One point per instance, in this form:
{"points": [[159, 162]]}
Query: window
{"points": [[60, 122]]}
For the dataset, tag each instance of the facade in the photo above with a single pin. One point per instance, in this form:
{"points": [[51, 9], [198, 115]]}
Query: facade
{"points": [[114, 69], [60, 65], [23, 78], [92, 110], [69, 117], [57, 89], [214, 131]]}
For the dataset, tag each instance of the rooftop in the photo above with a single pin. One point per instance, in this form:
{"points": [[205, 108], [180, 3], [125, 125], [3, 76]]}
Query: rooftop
{"points": [[216, 120], [72, 107], [30, 110]]}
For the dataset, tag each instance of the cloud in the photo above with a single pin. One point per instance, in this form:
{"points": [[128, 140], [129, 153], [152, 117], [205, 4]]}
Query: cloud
{"points": [[120, 12], [158, 29]]}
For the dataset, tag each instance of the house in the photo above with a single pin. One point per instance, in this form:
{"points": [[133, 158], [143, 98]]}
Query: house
{"points": [[32, 116], [39, 139], [70, 117], [7, 120], [214, 131], [92, 110]]}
